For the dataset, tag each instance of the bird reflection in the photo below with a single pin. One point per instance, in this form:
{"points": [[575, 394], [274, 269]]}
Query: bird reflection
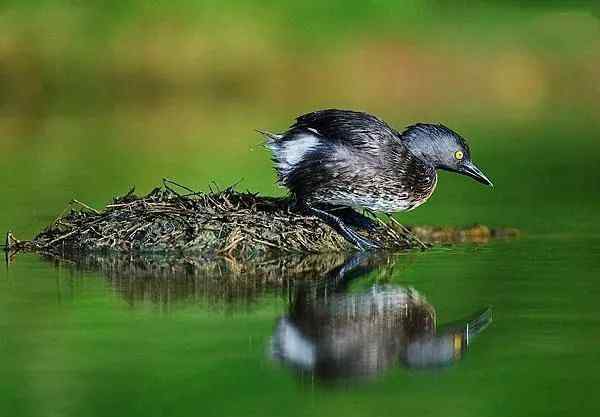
{"points": [[335, 333]]}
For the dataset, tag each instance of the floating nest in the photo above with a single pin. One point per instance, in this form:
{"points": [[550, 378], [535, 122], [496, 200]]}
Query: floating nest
{"points": [[239, 225]]}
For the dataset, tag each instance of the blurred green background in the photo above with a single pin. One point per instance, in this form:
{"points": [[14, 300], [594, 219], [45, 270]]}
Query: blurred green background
{"points": [[98, 96]]}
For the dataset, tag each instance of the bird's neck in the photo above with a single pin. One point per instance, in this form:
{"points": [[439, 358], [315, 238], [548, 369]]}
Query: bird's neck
{"points": [[421, 150], [424, 160]]}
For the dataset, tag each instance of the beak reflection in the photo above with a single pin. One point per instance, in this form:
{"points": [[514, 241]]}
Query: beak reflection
{"points": [[334, 334]]}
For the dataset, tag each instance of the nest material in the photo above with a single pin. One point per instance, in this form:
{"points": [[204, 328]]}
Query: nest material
{"points": [[218, 223], [228, 222]]}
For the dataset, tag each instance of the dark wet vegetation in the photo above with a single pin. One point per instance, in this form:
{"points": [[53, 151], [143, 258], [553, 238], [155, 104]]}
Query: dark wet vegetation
{"points": [[228, 223], [219, 223]]}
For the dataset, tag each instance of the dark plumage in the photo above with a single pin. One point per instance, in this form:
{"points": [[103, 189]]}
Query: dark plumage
{"points": [[341, 158]]}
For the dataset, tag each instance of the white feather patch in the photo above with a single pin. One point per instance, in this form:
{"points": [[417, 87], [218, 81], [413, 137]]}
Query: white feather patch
{"points": [[289, 153], [289, 344]]}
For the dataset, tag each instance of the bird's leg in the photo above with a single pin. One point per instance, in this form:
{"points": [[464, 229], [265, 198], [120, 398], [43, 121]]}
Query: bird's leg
{"points": [[353, 218], [339, 226]]}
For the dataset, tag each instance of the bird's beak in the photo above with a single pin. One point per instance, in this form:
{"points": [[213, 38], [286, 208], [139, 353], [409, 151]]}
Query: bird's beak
{"points": [[468, 168]]}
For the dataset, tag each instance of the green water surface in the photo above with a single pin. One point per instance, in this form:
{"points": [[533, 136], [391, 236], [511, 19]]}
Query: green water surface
{"points": [[72, 344], [100, 96]]}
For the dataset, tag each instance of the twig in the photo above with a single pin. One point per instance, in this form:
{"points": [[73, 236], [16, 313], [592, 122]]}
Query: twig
{"points": [[169, 181], [84, 206], [9, 242], [61, 238]]}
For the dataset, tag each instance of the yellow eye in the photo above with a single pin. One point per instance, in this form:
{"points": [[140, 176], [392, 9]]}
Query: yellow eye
{"points": [[459, 155]]}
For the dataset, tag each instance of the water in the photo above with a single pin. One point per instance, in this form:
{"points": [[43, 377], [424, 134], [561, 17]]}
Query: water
{"points": [[78, 342], [92, 340], [99, 96]]}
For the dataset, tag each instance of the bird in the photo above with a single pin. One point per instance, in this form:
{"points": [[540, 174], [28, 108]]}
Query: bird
{"points": [[335, 331], [334, 162]]}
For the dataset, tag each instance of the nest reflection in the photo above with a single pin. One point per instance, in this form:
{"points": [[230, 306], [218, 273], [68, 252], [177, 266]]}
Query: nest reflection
{"points": [[331, 330], [173, 281]]}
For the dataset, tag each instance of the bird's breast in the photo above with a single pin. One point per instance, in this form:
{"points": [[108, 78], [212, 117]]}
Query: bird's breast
{"points": [[422, 191], [380, 193]]}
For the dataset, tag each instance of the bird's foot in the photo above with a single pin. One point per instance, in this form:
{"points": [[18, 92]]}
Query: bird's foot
{"points": [[353, 218], [337, 223], [359, 241]]}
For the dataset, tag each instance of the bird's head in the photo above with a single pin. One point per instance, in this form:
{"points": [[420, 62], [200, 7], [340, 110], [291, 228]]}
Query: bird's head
{"points": [[443, 148]]}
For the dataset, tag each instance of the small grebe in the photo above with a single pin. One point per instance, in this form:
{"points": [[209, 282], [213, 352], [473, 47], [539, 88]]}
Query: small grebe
{"points": [[335, 160]]}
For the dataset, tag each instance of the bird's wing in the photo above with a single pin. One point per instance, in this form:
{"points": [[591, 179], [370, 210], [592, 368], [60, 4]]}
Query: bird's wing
{"points": [[330, 143], [351, 128]]}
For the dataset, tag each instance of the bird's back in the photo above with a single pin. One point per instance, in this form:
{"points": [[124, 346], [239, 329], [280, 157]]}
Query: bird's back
{"points": [[326, 136], [351, 128]]}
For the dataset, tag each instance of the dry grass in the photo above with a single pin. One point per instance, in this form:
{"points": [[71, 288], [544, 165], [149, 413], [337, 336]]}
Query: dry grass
{"points": [[173, 218]]}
